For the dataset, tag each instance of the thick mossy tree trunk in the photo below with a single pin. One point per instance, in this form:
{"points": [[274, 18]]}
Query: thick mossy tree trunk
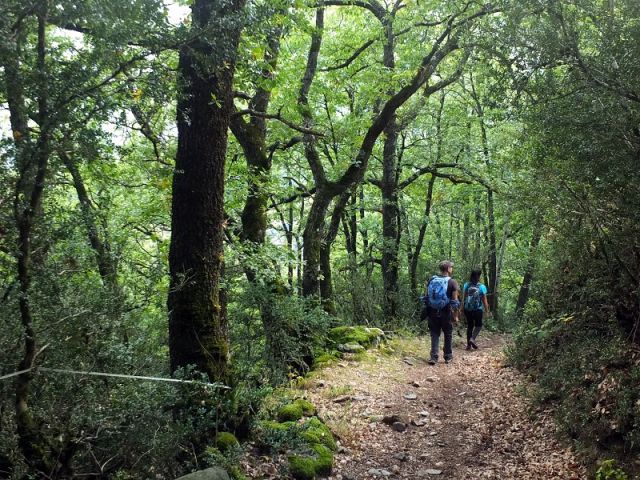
{"points": [[389, 187], [198, 332]]}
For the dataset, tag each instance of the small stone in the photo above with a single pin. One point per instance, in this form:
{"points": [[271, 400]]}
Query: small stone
{"points": [[424, 456], [433, 433], [415, 384], [424, 413], [431, 379], [359, 398], [342, 399], [350, 348], [374, 471], [400, 456], [410, 396], [409, 361], [439, 464], [419, 422], [430, 471], [399, 426], [385, 473]]}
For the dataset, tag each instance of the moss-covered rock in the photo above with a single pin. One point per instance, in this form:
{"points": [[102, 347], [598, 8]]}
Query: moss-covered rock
{"points": [[324, 460], [364, 336], [350, 347], [226, 441], [296, 410], [316, 432], [290, 412], [302, 467], [308, 408], [307, 467]]}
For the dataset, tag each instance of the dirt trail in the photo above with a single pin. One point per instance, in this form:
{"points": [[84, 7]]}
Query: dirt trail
{"points": [[466, 420]]}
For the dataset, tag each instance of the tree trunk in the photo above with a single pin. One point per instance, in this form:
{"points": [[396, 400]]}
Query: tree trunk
{"points": [[198, 332], [33, 161], [493, 255], [390, 223], [326, 285], [413, 272], [525, 288], [312, 238], [106, 266], [389, 190]]}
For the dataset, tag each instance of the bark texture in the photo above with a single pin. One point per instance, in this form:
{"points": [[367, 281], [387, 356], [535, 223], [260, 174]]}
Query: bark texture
{"points": [[198, 332]]}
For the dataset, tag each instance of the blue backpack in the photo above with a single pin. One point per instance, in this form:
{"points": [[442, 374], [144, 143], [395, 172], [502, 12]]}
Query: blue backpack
{"points": [[437, 297], [473, 297]]}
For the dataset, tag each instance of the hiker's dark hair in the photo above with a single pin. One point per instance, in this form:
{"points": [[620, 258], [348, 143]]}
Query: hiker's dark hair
{"points": [[475, 276]]}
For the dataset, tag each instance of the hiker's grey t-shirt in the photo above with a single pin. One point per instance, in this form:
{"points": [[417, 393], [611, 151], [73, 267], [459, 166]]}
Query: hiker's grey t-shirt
{"points": [[452, 286]]}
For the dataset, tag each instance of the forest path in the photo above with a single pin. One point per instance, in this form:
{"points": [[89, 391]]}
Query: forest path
{"points": [[466, 420]]}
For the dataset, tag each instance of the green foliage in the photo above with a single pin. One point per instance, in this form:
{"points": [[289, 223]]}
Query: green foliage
{"points": [[609, 471], [591, 378], [213, 457]]}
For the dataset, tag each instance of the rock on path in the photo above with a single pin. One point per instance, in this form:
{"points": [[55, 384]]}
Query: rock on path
{"points": [[466, 420]]}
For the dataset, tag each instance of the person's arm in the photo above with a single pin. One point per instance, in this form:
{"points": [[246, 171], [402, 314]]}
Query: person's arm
{"points": [[455, 312], [485, 302]]}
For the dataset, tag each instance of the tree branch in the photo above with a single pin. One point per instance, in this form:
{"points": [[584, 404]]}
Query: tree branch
{"points": [[277, 116]]}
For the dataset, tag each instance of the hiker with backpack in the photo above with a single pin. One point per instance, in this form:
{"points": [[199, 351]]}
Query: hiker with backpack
{"points": [[441, 309], [474, 300]]}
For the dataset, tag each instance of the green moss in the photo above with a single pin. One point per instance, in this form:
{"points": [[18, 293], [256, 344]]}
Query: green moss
{"points": [[324, 460], [306, 467], [325, 359], [302, 467], [316, 432], [308, 408], [364, 336], [296, 410], [290, 412], [226, 441]]}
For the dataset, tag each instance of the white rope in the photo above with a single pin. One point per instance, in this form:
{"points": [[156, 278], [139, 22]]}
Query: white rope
{"points": [[115, 375], [15, 374]]}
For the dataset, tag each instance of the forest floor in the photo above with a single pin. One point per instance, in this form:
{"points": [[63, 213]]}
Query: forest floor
{"points": [[398, 417]]}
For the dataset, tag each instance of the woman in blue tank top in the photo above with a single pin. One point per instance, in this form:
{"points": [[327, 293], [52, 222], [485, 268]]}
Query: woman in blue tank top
{"points": [[474, 301]]}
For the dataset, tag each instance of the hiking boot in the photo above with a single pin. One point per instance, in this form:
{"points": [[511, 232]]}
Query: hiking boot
{"points": [[448, 360], [432, 361], [473, 344], [468, 346]]}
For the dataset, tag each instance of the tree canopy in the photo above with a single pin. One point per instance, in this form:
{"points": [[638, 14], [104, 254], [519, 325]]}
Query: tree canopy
{"points": [[200, 190]]}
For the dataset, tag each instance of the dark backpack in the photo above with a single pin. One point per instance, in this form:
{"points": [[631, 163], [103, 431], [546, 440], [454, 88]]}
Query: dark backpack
{"points": [[437, 297], [473, 298]]}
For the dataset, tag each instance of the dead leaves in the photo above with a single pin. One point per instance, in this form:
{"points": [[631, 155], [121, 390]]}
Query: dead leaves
{"points": [[462, 421]]}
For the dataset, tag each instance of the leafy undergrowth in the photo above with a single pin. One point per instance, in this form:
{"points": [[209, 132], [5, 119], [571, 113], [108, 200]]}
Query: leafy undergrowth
{"points": [[591, 377], [394, 416]]}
